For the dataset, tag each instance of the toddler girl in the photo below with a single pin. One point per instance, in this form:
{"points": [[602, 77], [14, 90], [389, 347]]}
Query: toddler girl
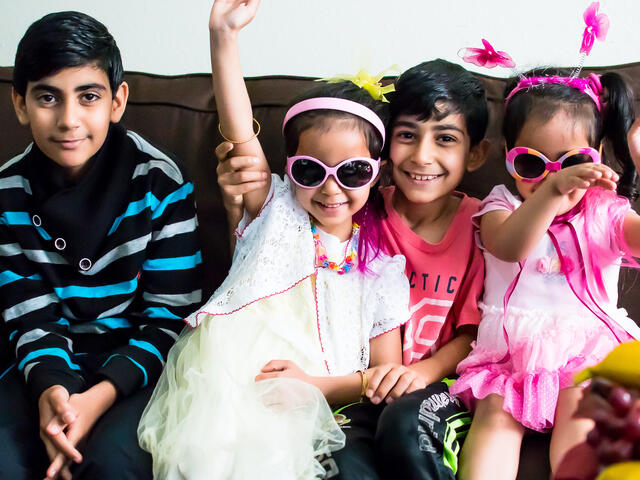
{"points": [[310, 302], [552, 255]]}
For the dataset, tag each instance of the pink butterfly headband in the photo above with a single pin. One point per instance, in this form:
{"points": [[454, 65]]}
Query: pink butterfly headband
{"points": [[487, 57], [597, 26], [590, 85]]}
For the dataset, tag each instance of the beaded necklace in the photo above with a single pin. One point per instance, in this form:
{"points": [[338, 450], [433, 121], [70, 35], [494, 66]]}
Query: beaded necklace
{"points": [[351, 251]]}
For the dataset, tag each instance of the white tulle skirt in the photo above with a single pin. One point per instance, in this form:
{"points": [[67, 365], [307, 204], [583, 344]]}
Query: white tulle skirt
{"points": [[208, 418]]}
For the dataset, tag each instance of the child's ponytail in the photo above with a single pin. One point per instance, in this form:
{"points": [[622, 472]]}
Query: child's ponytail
{"points": [[619, 113]]}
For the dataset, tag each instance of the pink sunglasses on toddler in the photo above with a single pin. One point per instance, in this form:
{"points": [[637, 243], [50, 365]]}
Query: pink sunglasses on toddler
{"points": [[350, 174], [529, 165]]}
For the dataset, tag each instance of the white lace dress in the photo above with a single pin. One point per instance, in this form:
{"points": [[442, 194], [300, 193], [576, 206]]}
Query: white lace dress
{"points": [[208, 418]]}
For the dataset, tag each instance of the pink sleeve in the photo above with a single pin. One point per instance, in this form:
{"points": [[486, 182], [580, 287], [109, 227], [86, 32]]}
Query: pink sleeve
{"points": [[500, 198], [605, 213], [618, 212], [619, 245]]}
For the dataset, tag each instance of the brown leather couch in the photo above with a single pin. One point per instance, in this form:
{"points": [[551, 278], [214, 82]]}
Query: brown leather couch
{"points": [[178, 113]]}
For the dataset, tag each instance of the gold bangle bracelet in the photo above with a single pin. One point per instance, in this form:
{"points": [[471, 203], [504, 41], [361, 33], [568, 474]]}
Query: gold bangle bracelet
{"points": [[364, 384], [235, 142]]}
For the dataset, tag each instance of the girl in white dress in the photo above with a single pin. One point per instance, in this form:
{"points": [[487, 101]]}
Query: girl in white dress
{"points": [[310, 302], [552, 258]]}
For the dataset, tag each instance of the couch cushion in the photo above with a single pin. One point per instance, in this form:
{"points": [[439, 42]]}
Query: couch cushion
{"points": [[178, 113]]}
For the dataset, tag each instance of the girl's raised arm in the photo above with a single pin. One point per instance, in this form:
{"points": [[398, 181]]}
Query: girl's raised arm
{"points": [[511, 237], [227, 18]]}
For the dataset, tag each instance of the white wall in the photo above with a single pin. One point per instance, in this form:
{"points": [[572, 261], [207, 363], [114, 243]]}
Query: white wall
{"points": [[327, 37]]}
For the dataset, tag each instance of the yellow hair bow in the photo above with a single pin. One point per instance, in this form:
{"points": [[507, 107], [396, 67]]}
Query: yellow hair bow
{"points": [[370, 83]]}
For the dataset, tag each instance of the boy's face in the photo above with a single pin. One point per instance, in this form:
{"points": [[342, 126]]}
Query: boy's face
{"points": [[429, 158], [69, 113]]}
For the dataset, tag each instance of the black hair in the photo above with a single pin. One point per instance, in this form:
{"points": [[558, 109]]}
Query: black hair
{"points": [[62, 40], [611, 123], [369, 217], [438, 88]]}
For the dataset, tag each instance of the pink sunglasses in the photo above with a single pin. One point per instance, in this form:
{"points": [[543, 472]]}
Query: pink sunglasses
{"points": [[350, 174], [529, 165]]}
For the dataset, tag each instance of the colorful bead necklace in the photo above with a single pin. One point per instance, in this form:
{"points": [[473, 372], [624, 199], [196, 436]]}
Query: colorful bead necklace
{"points": [[351, 251]]}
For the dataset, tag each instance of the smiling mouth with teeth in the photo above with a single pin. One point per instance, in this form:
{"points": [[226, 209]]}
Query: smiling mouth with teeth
{"points": [[331, 205], [424, 178]]}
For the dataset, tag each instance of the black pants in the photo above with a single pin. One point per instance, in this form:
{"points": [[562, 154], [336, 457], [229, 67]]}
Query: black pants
{"points": [[111, 451], [418, 436]]}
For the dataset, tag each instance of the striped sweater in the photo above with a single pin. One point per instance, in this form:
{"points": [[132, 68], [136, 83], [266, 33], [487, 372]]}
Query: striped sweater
{"points": [[104, 269]]}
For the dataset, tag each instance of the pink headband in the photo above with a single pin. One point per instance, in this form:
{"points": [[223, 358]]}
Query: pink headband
{"points": [[340, 104], [590, 85]]}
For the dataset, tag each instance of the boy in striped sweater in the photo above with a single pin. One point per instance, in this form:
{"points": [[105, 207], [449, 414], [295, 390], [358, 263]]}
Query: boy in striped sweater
{"points": [[99, 261]]}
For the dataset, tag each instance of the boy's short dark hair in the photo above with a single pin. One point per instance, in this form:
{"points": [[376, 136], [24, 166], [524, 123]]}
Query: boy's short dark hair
{"points": [[62, 40], [420, 88]]}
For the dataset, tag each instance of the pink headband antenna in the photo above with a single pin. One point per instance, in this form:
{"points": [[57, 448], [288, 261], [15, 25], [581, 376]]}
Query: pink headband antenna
{"points": [[597, 26], [339, 104], [487, 56], [590, 85]]}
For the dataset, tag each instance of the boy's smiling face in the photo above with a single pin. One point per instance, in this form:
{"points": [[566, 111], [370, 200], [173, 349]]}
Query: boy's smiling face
{"points": [[69, 113], [430, 157]]}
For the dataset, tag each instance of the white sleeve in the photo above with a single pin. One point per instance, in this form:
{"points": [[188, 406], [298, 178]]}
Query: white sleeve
{"points": [[273, 252], [276, 189], [388, 302], [280, 201]]}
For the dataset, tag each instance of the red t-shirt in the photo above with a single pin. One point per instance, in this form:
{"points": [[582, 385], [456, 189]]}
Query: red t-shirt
{"points": [[446, 278]]}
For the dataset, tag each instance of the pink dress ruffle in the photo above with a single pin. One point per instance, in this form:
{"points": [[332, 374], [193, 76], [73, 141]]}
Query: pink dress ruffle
{"points": [[530, 375], [550, 333]]}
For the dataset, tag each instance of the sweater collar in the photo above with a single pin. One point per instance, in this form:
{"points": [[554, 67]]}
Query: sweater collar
{"points": [[77, 215]]}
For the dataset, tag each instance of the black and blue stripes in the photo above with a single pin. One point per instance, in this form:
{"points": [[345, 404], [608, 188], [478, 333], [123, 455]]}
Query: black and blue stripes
{"points": [[127, 273]]}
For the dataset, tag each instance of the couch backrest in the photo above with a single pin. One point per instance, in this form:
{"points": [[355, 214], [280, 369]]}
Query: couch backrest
{"points": [[178, 113]]}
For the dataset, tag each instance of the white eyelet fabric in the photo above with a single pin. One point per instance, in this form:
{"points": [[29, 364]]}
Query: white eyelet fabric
{"points": [[275, 251]]}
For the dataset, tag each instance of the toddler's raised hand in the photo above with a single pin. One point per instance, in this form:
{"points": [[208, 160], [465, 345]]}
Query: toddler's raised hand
{"points": [[586, 175], [232, 15]]}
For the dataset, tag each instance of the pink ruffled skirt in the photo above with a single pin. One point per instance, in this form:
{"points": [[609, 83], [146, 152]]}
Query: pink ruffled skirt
{"points": [[542, 356]]}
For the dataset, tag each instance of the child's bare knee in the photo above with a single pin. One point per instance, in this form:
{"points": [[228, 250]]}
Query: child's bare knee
{"points": [[490, 411]]}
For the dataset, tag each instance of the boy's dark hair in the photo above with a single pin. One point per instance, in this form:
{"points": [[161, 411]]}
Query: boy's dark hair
{"points": [[611, 123], [322, 118], [438, 88], [62, 40]]}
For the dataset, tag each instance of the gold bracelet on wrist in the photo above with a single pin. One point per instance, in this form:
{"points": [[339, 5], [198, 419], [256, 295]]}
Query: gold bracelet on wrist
{"points": [[235, 142], [364, 384]]}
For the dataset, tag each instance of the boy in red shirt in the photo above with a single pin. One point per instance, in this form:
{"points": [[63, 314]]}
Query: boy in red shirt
{"points": [[411, 426], [439, 116]]}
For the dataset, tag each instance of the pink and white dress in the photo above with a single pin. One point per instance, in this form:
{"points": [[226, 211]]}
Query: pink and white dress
{"points": [[554, 324]]}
